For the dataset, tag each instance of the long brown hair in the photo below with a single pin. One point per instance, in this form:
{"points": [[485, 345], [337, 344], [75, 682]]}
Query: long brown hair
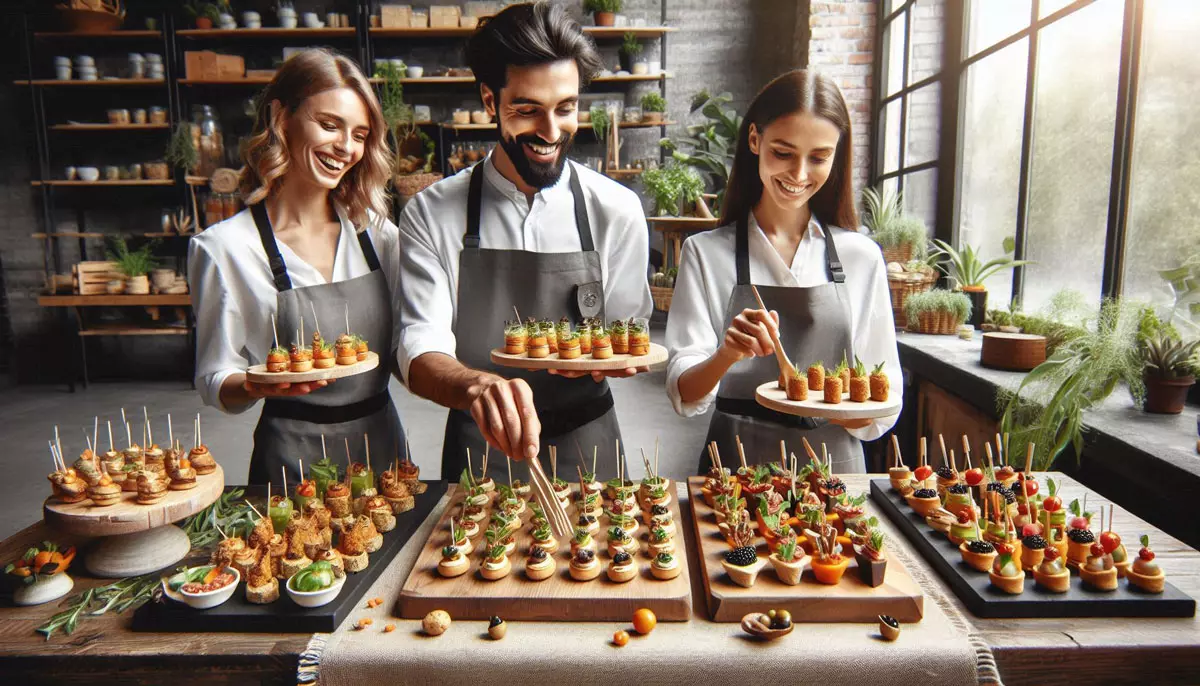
{"points": [[796, 91], [265, 153]]}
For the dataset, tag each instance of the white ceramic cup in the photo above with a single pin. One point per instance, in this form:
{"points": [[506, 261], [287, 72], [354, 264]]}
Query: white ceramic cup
{"points": [[415, 71], [84, 61], [62, 73], [287, 22], [71, 173], [311, 20], [88, 174], [62, 61]]}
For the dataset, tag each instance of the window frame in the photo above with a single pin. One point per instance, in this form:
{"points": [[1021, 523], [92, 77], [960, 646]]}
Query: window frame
{"points": [[952, 77]]}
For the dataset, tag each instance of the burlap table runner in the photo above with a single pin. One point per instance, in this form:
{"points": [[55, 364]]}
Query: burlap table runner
{"points": [[937, 650]]}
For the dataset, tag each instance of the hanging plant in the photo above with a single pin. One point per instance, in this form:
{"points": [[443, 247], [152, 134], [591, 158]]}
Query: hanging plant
{"points": [[181, 150]]}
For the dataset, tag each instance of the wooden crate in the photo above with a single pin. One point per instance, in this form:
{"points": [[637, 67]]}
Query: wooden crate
{"points": [[91, 278], [395, 16]]}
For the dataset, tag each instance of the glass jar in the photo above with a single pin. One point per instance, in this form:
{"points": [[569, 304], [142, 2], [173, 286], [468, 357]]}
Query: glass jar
{"points": [[208, 139], [231, 204], [214, 209]]}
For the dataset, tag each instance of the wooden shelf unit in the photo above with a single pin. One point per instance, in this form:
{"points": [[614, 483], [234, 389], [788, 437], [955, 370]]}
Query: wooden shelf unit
{"points": [[102, 182], [268, 32], [109, 127], [81, 83], [102, 35], [601, 32]]}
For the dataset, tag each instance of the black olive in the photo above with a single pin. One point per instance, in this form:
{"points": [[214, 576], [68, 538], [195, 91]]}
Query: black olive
{"points": [[890, 621], [495, 621]]}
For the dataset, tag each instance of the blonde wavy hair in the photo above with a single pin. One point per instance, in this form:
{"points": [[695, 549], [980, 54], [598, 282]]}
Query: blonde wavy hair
{"points": [[265, 153]]}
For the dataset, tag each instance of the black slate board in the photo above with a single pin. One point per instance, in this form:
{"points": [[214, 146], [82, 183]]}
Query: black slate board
{"points": [[976, 591], [284, 616]]}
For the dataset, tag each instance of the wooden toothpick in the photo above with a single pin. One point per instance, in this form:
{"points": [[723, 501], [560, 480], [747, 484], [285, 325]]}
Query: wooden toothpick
{"points": [[367, 447], [316, 322], [274, 336], [324, 456], [1028, 458], [170, 431], [96, 433], [740, 450], [896, 450], [111, 448], [347, 306], [922, 453], [508, 464], [283, 473]]}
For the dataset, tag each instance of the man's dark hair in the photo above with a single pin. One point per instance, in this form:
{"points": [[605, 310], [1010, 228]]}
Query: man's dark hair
{"points": [[529, 34]]}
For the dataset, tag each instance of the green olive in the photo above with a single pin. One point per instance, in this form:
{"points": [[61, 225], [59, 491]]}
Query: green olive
{"points": [[785, 616], [771, 614]]}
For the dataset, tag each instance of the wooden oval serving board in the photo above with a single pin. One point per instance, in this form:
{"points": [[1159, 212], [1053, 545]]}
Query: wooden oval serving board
{"points": [[769, 395], [259, 374], [127, 517], [583, 363]]}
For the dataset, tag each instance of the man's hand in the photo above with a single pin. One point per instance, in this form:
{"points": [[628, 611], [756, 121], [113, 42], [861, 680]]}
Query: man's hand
{"points": [[600, 376], [852, 423], [504, 412]]}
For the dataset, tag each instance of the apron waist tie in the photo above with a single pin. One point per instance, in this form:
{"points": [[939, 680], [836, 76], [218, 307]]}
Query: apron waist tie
{"points": [[562, 421], [277, 408], [750, 408]]}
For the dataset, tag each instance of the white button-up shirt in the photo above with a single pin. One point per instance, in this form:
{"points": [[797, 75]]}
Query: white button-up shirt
{"points": [[234, 294], [708, 272], [431, 238]]}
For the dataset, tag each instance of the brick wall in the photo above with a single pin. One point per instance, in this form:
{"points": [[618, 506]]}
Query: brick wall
{"points": [[842, 46]]}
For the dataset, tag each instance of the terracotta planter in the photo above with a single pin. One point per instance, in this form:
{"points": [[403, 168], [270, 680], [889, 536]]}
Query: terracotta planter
{"points": [[605, 18], [652, 117], [978, 306], [1167, 396], [203, 23]]}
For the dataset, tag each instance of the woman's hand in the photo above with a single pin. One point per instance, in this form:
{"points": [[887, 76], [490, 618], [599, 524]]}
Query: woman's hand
{"points": [[750, 335], [282, 390], [852, 423]]}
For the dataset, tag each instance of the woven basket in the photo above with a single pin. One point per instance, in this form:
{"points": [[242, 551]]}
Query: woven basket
{"points": [[662, 297], [899, 253], [940, 322], [411, 184], [900, 288]]}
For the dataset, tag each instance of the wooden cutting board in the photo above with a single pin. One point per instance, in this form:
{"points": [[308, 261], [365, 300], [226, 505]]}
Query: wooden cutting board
{"points": [[583, 363], [849, 601], [769, 395], [559, 598], [259, 374]]}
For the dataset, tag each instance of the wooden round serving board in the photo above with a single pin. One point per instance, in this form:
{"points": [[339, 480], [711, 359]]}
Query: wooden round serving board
{"points": [[769, 395], [583, 363], [1019, 352], [127, 517], [259, 374]]}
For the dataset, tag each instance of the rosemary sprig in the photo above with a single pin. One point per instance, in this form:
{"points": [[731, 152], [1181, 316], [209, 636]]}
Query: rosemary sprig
{"points": [[229, 512]]}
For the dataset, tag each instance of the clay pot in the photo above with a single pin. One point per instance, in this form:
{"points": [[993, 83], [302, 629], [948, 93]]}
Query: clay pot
{"points": [[605, 18], [1167, 396], [203, 23]]}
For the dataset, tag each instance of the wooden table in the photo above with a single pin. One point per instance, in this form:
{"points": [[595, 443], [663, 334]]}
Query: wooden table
{"points": [[1027, 651], [151, 303]]}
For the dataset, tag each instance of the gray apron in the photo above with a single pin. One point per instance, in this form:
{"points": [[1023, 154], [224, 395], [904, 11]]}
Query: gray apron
{"points": [[290, 429], [552, 285], [814, 324]]}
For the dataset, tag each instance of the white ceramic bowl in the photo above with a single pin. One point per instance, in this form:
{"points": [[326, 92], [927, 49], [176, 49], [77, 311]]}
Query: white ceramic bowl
{"points": [[415, 71], [203, 601], [89, 173], [316, 598]]}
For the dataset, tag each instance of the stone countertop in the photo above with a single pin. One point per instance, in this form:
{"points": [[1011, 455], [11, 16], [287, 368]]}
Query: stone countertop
{"points": [[1126, 449]]}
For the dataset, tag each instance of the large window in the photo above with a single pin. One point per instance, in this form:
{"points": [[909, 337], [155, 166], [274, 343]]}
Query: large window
{"points": [[1064, 125]]}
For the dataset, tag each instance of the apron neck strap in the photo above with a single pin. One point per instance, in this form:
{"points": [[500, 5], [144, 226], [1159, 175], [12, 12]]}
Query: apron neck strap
{"points": [[833, 264], [475, 204], [278, 268], [368, 250]]}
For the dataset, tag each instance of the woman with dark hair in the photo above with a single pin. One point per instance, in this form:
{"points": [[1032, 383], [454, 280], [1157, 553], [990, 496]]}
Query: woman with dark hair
{"points": [[789, 227], [314, 239], [526, 228]]}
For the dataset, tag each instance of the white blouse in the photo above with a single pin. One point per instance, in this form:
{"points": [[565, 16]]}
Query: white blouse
{"points": [[234, 294], [708, 272], [431, 238]]}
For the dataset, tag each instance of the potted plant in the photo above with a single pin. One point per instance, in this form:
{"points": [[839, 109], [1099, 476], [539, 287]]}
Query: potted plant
{"points": [[600, 122], [675, 188], [708, 147], [901, 236], [937, 311], [662, 287], [412, 167], [181, 150], [653, 107], [134, 266], [604, 12], [631, 47], [914, 276], [203, 13], [970, 272], [1171, 368]]}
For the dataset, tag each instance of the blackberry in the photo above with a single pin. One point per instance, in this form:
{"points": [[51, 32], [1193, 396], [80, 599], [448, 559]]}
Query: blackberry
{"points": [[741, 557], [659, 510], [584, 555], [622, 558], [537, 553], [834, 485], [980, 547], [583, 520], [994, 486], [1034, 542], [958, 489], [1010, 496], [924, 493], [946, 472], [1081, 536]]}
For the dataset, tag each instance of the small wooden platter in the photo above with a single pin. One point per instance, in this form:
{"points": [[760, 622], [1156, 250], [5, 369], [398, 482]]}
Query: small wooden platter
{"points": [[1019, 352], [583, 363], [850, 600], [769, 395], [559, 598], [259, 374]]}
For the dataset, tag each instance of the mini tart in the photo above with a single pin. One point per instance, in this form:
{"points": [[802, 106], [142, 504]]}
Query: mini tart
{"points": [[620, 573], [261, 595], [184, 481], [941, 523], [1150, 583], [475, 516], [665, 523], [103, 496], [454, 567], [1103, 580], [585, 572], [829, 572], [978, 561], [495, 569], [654, 548], [550, 546], [899, 477], [1055, 582], [590, 545], [1013, 585], [541, 570], [924, 506], [355, 563], [1077, 553], [665, 572], [465, 547], [1031, 557]]}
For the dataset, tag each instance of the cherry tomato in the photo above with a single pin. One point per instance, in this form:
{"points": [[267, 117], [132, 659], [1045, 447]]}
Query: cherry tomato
{"points": [[1052, 503], [621, 638], [644, 621], [923, 472], [1110, 541]]}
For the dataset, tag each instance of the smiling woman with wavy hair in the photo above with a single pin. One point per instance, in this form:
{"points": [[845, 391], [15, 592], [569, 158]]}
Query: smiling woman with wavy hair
{"points": [[314, 252]]}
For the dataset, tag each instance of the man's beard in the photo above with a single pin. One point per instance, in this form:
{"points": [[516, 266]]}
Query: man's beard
{"points": [[536, 174]]}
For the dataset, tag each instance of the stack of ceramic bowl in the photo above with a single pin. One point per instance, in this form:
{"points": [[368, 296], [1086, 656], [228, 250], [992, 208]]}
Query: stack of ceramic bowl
{"points": [[162, 279], [62, 68], [288, 17], [252, 20], [154, 66], [85, 68], [137, 66]]}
